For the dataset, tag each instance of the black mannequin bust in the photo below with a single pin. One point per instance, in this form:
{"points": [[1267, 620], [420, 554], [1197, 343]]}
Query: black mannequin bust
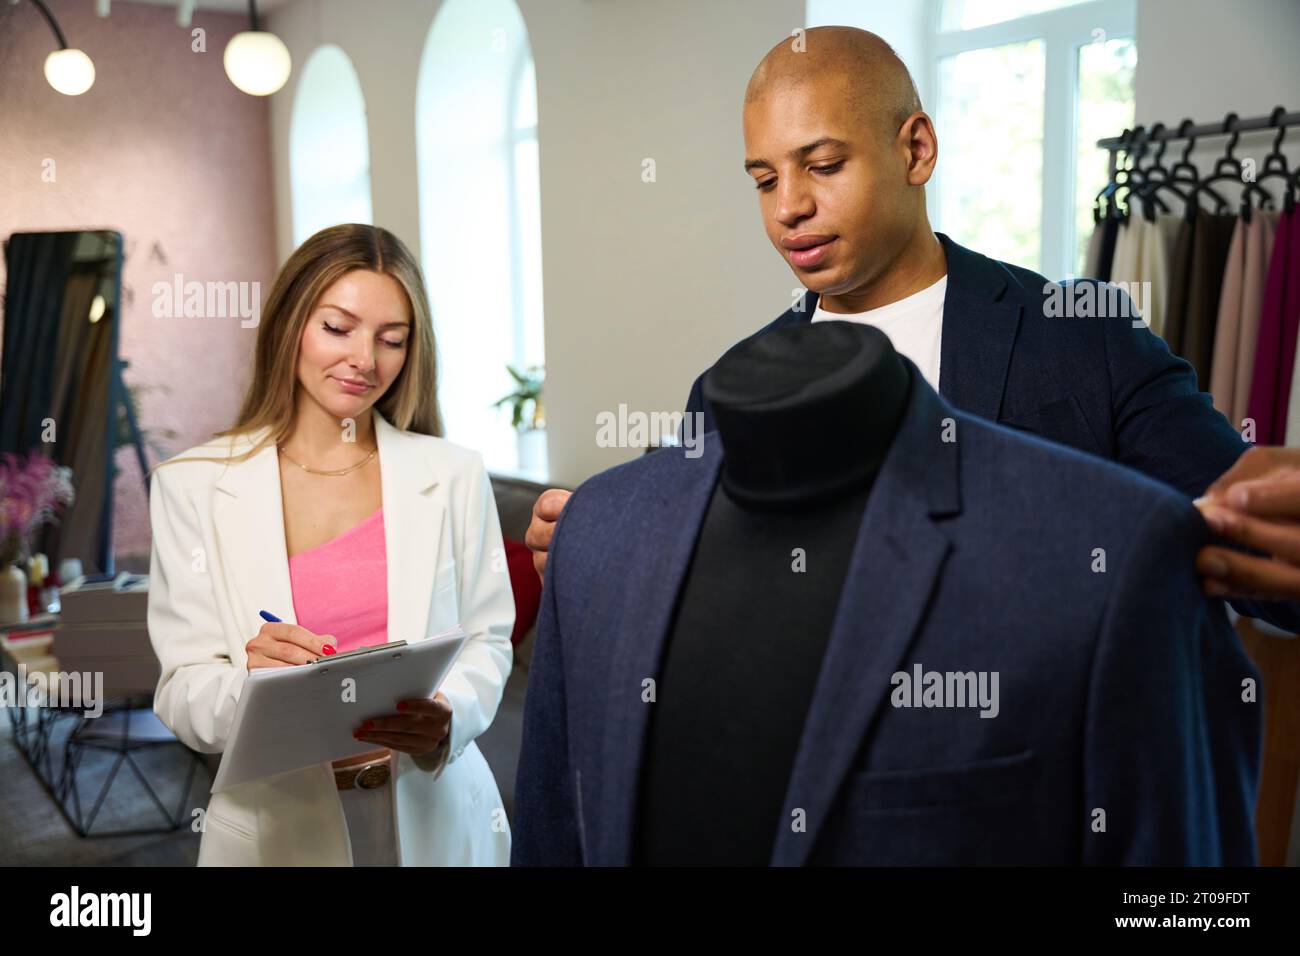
{"points": [[805, 416]]}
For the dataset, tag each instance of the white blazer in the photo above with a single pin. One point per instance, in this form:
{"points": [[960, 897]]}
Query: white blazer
{"points": [[219, 556]]}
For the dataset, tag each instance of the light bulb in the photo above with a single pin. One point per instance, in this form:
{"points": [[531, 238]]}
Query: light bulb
{"points": [[257, 62], [69, 71]]}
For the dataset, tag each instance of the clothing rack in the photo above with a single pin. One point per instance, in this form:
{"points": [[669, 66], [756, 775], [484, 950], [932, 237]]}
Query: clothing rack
{"points": [[1229, 124], [1139, 137], [1219, 286]]}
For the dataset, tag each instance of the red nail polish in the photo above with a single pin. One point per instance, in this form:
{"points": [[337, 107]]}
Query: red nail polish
{"points": [[401, 705], [328, 649]]}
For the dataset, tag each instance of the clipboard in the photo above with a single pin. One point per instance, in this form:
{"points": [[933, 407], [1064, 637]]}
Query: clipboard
{"points": [[289, 718]]}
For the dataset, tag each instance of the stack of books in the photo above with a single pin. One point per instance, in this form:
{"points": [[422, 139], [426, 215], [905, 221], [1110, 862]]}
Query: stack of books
{"points": [[29, 644], [102, 628]]}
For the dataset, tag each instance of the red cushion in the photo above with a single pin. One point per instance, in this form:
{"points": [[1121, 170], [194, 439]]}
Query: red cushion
{"points": [[526, 585]]}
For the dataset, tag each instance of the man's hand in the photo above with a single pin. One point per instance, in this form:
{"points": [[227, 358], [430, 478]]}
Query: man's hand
{"points": [[546, 511], [1256, 502]]}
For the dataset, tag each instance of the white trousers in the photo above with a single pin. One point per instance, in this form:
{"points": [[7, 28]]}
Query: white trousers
{"points": [[372, 824]]}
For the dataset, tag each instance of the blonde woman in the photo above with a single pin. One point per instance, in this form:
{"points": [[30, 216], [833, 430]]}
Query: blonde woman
{"points": [[333, 505]]}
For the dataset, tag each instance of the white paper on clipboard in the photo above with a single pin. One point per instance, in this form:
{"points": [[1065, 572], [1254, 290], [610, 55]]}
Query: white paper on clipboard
{"points": [[289, 718]]}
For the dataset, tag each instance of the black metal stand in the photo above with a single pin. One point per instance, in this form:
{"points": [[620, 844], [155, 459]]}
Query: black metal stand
{"points": [[33, 731]]}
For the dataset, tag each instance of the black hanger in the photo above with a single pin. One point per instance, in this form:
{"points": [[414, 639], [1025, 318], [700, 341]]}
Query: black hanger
{"points": [[1099, 210], [1186, 173], [1227, 167], [1134, 176], [1106, 201], [1275, 164], [1186, 130], [1157, 177]]}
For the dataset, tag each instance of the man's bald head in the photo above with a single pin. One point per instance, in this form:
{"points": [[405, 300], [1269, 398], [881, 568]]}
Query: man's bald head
{"points": [[839, 151], [857, 62]]}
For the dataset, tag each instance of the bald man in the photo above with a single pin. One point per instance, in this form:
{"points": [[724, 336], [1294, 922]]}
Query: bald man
{"points": [[839, 151]]}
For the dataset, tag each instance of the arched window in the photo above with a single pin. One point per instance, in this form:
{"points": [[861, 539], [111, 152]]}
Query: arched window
{"points": [[329, 147], [480, 220]]}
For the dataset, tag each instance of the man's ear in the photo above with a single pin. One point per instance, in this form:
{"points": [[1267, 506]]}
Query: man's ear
{"points": [[922, 146]]}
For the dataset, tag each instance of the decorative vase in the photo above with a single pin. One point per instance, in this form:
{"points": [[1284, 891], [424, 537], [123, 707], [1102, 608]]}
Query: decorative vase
{"points": [[13, 595], [532, 451]]}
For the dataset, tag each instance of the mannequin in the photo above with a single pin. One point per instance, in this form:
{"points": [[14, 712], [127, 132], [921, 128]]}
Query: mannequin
{"points": [[805, 416], [721, 639]]}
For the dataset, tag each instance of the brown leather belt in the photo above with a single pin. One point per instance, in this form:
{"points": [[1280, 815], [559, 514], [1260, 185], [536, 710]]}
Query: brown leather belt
{"points": [[364, 771]]}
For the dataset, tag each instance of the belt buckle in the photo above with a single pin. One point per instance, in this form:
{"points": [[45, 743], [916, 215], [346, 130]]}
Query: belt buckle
{"points": [[373, 776]]}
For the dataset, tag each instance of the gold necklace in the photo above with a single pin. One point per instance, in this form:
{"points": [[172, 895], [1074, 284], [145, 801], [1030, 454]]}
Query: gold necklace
{"points": [[341, 471]]}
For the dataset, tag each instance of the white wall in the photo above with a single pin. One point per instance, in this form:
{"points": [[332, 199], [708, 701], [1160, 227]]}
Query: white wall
{"points": [[645, 283], [1205, 58]]}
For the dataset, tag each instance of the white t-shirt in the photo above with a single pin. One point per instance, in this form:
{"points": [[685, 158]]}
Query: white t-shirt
{"points": [[914, 325]]}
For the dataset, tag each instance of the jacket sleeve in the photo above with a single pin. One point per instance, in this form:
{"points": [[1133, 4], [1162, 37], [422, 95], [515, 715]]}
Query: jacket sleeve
{"points": [[1168, 430], [477, 680], [545, 829], [1171, 747], [199, 687]]}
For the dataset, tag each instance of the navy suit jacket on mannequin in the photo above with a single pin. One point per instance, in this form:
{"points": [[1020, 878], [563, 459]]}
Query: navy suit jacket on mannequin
{"points": [[1121, 734], [1094, 383]]}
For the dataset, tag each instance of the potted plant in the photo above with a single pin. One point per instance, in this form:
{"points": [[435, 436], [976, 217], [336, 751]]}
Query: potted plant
{"points": [[529, 423], [32, 492]]}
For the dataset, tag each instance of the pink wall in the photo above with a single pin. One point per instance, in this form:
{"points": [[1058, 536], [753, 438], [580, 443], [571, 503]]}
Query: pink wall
{"points": [[166, 151]]}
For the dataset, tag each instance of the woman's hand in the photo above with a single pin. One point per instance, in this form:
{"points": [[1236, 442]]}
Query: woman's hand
{"points": [[420, 727], [282, 644]]}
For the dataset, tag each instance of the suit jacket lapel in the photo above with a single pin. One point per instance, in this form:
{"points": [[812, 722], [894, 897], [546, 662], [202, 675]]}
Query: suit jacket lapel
{"points": [[979, 330], [639, 649], [249, 519], [413, 523], [896, 563]]}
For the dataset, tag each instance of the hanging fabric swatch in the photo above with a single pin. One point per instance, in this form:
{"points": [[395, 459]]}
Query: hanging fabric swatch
{"points": [[1124, 265], [1291, 327], [1092, 257], [1269, 401], [1210, 243], [1157, 240], [1180, 273], [1106, 255], [1237, 328]]}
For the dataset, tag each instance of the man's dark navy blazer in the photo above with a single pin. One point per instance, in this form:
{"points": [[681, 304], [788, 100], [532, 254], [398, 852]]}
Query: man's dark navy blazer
{"points": [[1094, 383], [1122, 736]]}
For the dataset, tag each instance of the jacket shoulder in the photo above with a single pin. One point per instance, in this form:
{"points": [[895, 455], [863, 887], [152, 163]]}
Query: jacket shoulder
{"points": [[1024, 461], [634, 490], [1108, 296], [447, 454], [202, 463]]}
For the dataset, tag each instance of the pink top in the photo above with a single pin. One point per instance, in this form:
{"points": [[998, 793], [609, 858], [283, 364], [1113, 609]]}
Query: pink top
{"points": [[341, 587]]}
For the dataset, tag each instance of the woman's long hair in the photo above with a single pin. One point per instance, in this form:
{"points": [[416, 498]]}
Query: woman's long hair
{"points": [[411, 401]]}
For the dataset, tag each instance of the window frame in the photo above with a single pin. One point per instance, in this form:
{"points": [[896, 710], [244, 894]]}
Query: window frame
{"points": [[516, 136], [1062, 32], [298, 202]]}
